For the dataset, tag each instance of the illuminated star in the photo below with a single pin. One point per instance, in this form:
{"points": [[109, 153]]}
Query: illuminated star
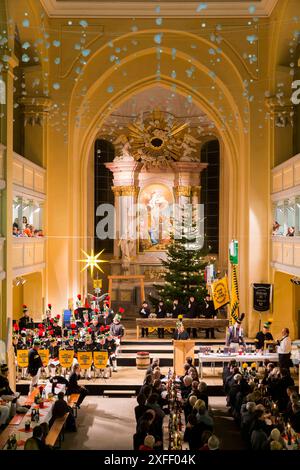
{"points": [[92, 261]]}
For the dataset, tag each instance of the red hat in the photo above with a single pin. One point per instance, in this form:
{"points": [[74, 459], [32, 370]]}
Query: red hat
{"points": [[51, 332], [73, 332], [102, 328], [16, 327], [121, 310], [90, 330], [41, 326], [107, 297], [73, 325], [87, 323], [51, 320], [79, 296], [107, 327], [49, 306], [94, 298], [87, 305], [24, 308], [96, 310]]}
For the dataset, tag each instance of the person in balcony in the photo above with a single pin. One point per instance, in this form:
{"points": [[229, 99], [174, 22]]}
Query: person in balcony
{"points": [[276, 227], [291, 232], [15, 231]]}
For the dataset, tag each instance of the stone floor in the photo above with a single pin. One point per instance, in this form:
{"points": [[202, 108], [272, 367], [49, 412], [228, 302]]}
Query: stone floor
{"points": [[109, 424]]}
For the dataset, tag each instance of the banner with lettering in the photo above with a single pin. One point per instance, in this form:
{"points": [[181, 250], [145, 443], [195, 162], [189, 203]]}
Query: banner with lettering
{"points": [[100, 359], [44, 355], [85, 359], [262, 294], [22, 357], [220, 292], [66, 358]]}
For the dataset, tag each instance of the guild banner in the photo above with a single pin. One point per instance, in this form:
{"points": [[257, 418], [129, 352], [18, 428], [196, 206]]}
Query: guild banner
{"points": [[44, 355], [22, 357], [262, 294], [66, 358], [100, 359], [85, 359], [220, 292]]}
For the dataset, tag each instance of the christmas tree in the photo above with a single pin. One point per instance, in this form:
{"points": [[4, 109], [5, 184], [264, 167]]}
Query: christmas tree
{"points": [[184, 267]]}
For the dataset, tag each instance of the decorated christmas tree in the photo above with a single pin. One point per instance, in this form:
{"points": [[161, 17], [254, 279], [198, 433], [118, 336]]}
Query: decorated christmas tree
{"points": [[184, 267]]}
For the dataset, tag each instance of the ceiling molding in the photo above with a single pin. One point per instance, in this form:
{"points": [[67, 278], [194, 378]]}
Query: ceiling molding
{"points": [[170, 9]]}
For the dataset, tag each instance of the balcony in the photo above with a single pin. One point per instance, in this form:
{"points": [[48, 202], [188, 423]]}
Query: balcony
{"points": [[286, 179], [28, 255], [286, 254], [28, 178]]}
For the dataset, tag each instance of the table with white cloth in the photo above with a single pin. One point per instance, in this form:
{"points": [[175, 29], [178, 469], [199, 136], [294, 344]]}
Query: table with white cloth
{"points": [[214, 358], [45, 416]]}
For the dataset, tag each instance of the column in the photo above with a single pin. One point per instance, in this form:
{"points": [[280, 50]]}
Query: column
{"points": [[281, 127], [6, 219], [36, 114]]}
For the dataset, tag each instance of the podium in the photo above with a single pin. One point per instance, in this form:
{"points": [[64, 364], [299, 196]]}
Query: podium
{"points": [[182, 350]]}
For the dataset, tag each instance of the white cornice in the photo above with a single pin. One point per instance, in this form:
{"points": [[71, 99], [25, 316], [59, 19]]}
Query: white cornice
{"points": [[115, 9]]}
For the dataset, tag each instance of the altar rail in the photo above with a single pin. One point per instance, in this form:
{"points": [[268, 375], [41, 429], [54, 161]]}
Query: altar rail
{"points": [[188, 323]]}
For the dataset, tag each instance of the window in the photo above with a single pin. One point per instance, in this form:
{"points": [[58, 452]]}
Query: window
{"points": [[104, 153], [27, 217], [210, 191]]}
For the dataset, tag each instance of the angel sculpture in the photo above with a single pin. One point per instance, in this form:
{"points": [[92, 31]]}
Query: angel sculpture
{"points": [[123, 148], [188, 147]]}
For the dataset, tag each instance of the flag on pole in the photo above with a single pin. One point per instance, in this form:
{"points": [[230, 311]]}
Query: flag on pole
{"points": [[234, 297]]}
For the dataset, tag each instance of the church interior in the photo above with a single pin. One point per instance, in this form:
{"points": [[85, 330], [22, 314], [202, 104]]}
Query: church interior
{"points": [[149, 225]]}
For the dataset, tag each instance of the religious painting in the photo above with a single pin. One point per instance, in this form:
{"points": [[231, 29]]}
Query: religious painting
{"points": [[155, 217]]}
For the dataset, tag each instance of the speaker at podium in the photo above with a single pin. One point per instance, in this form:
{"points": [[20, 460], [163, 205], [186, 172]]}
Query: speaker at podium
{"points": [[182, 350]]}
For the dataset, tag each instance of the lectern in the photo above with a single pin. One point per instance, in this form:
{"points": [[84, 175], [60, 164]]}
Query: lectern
{"points": [[182, 350]]}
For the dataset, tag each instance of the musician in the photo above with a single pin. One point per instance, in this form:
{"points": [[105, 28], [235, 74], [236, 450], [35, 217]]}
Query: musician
{"points": [[87, 345], [263, 336], [180, 332], [208, 311], [34, 364], [178, 309], [53, 353], [284, 349], [235, 334], [95, 326], [25, 321], [117, 332], [47, 319], [161, 312], [192, 312], [144, 313], [57, 331], [107, 315]]}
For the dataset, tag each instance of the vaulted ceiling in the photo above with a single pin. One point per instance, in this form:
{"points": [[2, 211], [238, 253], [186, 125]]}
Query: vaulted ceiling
{"points": [[166, 8]]}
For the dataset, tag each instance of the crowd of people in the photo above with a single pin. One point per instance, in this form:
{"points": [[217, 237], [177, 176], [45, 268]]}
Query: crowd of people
{"points": [[25, 229], [193, 309], [279, 230], [153, 405], [264, 402]]}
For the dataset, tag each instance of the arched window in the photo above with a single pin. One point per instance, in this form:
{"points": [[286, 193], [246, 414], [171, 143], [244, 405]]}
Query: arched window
{"points": [[104, 153], [210, 192]]}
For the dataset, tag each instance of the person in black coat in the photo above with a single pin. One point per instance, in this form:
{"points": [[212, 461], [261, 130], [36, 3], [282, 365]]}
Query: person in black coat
{"points": [[144, 313], [74, 387], [57, 331], [34, 364], [59, 409], [25, 321], [208, 311], [161, 312], [192, 312], [178, 309], [192, 434]]}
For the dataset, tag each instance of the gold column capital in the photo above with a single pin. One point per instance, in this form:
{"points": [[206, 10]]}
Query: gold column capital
{"points": [[183, 191], [125, 190], [35, 109]]}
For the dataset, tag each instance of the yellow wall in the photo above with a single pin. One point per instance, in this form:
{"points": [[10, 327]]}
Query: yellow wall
{"points": [[286, 303], [17, 302]]}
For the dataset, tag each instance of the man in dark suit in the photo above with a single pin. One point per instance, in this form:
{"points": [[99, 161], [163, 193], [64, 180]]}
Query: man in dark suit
{"points": [[180, 333], [178, 309], [192, 312], [208, 311], [161, 312], [144, 313]]}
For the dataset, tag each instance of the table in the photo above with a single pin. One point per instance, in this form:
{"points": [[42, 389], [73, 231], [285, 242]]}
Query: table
{"points": [[221, 358], [45, 416], [171, 323]]}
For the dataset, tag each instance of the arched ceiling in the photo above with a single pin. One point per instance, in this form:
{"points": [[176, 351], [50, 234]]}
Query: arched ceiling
{"points": [[166, 100]]}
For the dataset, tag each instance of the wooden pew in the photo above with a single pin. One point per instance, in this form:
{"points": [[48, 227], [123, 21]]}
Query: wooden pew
{"points": [[56, 431], [72, 401]]}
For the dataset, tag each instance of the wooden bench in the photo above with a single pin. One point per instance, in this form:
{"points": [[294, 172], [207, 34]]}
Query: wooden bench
{"points": [[16, 420], [72, 401], [56, 431]]}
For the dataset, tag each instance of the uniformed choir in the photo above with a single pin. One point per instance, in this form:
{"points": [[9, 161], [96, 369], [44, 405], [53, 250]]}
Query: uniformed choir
{"points": [[193, 309], [89, 330]]}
